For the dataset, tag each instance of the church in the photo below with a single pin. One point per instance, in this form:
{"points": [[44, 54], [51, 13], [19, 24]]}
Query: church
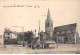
{"points": [[48, 26], [61, 34]]}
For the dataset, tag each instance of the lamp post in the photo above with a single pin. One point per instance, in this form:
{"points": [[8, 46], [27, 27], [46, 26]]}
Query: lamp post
{"points": [[22, 31], [4, 39], [39, 30]]}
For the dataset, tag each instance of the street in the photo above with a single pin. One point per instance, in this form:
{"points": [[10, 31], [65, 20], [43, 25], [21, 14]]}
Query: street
{"points": [[61, 49]]}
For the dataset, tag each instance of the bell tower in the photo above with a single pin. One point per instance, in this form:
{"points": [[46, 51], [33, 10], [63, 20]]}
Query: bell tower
{"points": [[48, 26]]}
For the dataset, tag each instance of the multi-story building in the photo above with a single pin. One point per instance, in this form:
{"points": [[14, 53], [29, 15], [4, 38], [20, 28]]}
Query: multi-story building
{"points": [[10, 37], [66, 33]]}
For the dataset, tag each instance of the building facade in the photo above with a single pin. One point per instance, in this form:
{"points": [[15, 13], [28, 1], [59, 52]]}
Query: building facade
{"points": [[48, 26], [10, 37], [66, 34]]}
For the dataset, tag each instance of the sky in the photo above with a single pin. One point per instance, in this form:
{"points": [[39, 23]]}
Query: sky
{"points": [[62, 12]]}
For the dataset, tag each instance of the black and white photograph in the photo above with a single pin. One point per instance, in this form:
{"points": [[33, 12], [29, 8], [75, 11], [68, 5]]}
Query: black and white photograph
{"points": [[39, 26]]}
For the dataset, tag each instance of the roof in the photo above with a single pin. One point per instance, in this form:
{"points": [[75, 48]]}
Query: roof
{"points": [[9, 31], [65, 27], [19, 32]]}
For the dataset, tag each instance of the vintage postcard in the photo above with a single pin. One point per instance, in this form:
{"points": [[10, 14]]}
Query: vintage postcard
{"points": [[39, 26]]}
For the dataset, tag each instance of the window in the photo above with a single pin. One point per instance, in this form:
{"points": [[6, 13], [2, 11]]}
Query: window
{"points": [[47, 24], [69, 31], [66, 39], [51, 33], [57, 33], [51, 24], [73, 31], [70, 38], [62, 32]]}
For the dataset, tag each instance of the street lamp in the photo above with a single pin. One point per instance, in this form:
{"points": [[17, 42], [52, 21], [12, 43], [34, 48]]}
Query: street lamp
{"points": [[23, 33], [39, 30], [4, 39]]}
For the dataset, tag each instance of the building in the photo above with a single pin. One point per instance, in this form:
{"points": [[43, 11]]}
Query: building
{"points": [[48, 26], [10, 37], [1, 39], [20, 37], [66, 34]]}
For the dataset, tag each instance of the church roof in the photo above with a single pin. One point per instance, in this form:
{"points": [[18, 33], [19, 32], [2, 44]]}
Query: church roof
{"points": [[48, 17], [48, 14], [65, 27]]}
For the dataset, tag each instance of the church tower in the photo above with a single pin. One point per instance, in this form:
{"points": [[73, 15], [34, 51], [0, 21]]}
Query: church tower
{"points": [[48, 26]]}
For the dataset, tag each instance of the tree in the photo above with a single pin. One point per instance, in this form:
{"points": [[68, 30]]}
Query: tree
{"points": [[29, 37]]}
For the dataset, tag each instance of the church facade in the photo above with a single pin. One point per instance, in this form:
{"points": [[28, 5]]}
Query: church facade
{"points": [[48, 26]]}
